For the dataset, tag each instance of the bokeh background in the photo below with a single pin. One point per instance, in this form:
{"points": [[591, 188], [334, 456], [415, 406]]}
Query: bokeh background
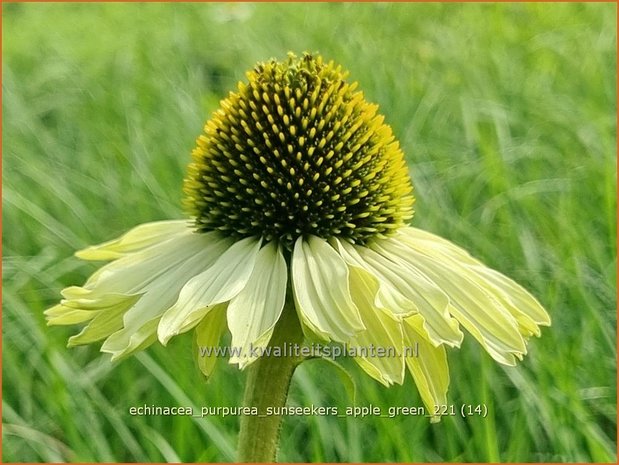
{"points": [[507, 114]]}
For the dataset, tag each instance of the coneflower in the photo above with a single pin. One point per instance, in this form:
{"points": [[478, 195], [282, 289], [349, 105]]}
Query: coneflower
{"points": [[299, 196]]}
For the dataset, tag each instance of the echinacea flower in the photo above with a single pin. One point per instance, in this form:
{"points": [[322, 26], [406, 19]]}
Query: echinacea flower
{"points": [[299, 191]]}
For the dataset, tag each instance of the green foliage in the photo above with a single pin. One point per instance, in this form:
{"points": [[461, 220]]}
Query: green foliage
{"points": [[506, 113]]}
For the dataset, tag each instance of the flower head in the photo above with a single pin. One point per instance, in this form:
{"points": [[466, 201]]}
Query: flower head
{"points": [[298, 191], [297, 151]]}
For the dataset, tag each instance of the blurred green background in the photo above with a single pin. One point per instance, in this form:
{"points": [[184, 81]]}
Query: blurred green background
{"points": [[507, 115]]}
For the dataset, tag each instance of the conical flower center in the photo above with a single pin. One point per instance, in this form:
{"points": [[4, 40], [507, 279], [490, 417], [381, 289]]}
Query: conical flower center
{"points": [[297, 151]]}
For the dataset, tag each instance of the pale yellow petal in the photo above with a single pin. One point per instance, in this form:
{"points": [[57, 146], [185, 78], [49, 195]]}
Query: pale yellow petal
{"points": [[378, 349], [481, 314], [160, 293], [102, 302], [432, 303], [79, 310], [208, 335], [135, 273], [102, 325], [433, 241], [321, 290], [252, 314], [75, 292], [518, 300], [428, 366], [138, 238], [388, 296], [104, 316], [521, 304], [223, 280], [63, 315], [123, 343]]}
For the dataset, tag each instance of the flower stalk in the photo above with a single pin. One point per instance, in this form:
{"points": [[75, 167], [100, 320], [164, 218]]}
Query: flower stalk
{"points": [[267, 385]]}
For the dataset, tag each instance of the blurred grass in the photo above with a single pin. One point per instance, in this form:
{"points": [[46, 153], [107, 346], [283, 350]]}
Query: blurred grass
{"points": [[507, 115]]}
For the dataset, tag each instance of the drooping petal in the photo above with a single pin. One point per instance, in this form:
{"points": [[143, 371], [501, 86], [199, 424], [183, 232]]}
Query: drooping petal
{"points": [[431, 302], [397, 294], [136, 239], [428, 366], [480, 313], [388, 296], [221, 281], [321, 290], [191, 254], [378, 349], [106, 322], [125, 342], [400, 297], [104, 316], [521, 304], [208, 333], [122, 298], [134, 273], [63, 315], [252, 314], [82, 299], [527, 311]]}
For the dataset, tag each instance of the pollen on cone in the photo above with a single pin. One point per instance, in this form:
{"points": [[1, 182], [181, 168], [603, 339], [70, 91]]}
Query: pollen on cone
{"points": [[296, 150]]}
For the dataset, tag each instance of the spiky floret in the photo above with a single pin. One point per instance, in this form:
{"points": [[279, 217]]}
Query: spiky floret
{"points": [[297, 150]]}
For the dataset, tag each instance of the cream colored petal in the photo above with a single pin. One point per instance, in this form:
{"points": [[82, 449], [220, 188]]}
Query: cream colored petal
{"points": [[138, 238], [389, 295], [105, 323], [159, 294], [191, 320], [428, 366], [219, 283], [436, 242], [252, 314], [135, 273], [208, 335], [379, 347], [481, 314], [521, 304], [321, 290], [432, 303], [75, 292], [100, 303], [63, 315], [123, 343], [105, 316]]}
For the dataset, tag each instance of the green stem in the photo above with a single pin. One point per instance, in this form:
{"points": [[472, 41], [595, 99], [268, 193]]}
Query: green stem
{"points": [[268, 381]]}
